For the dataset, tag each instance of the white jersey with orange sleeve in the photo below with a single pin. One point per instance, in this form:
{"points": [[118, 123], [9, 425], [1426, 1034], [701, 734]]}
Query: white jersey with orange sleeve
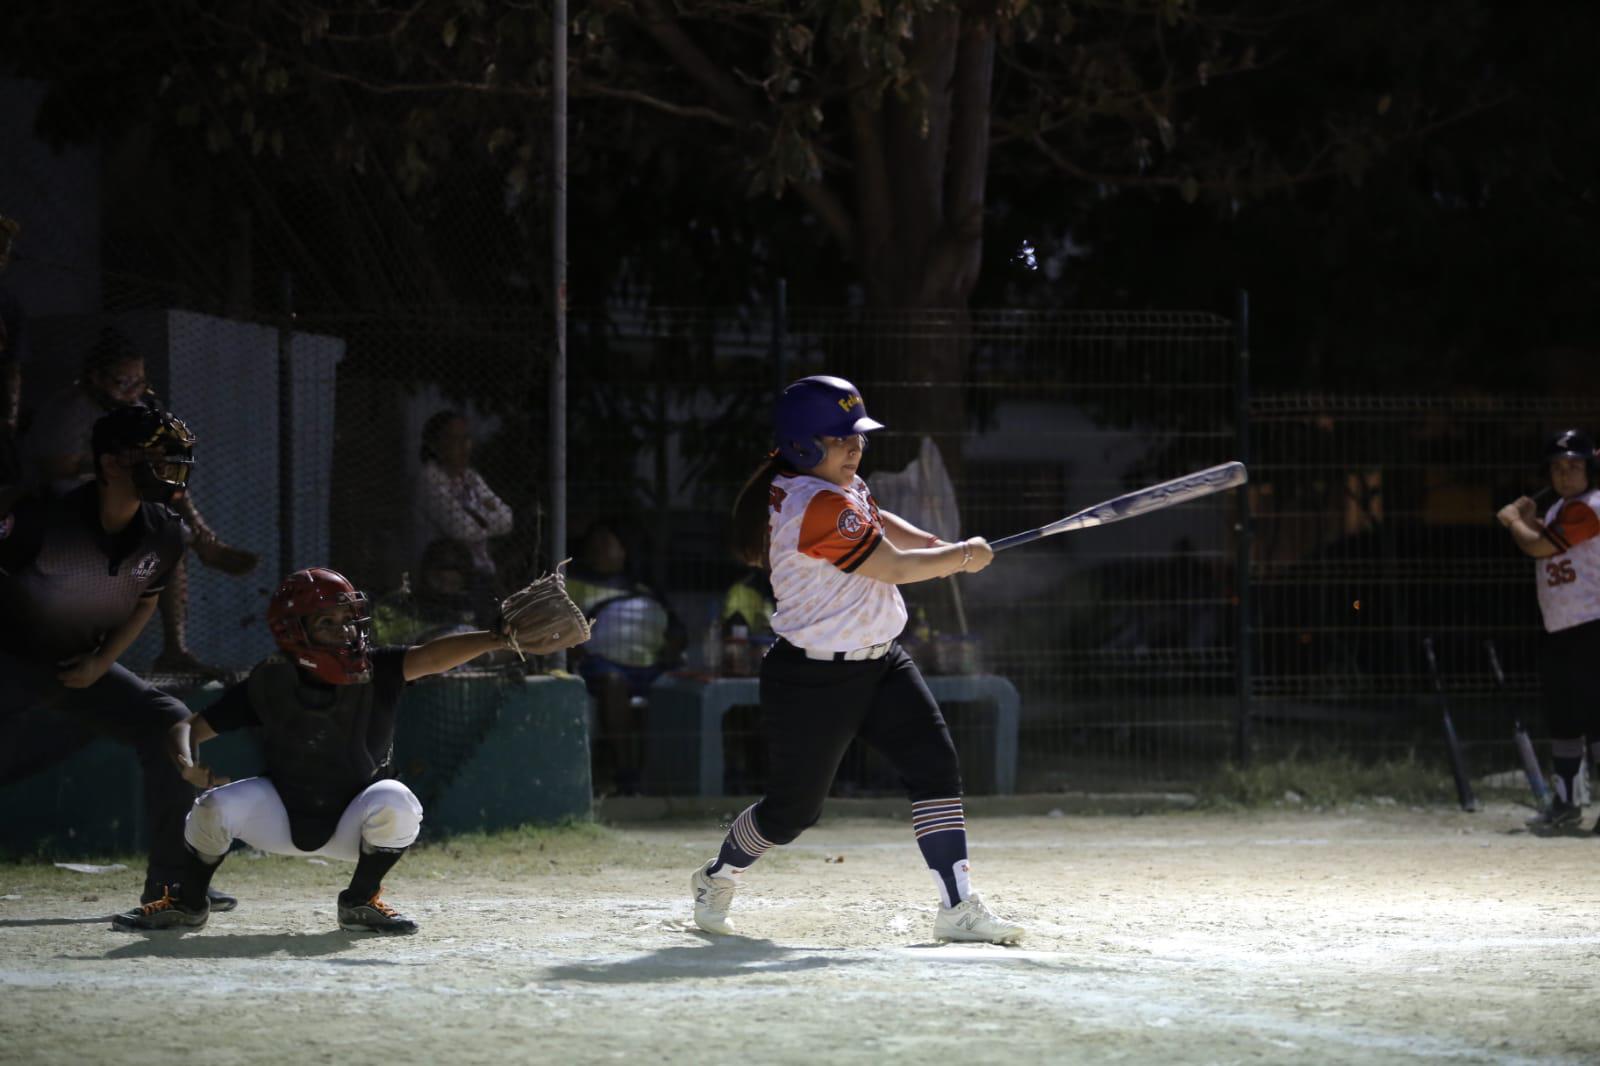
{"points": [[820, 534], [1569, 581]]}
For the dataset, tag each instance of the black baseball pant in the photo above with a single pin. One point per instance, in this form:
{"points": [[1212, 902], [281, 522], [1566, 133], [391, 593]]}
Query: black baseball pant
{"points": [[1567, 662], [42, 722], [811, 710]]}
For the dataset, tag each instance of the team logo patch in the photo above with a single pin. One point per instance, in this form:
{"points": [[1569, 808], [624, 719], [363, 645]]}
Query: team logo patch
{"points": [[6, 525], [146, 566], [851, 527]]}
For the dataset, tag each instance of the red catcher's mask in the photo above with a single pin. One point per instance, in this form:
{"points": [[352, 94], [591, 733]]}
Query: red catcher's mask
{"points": [[305, 594]]}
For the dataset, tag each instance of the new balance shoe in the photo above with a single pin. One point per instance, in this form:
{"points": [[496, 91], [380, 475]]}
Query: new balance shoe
{"points": [[1559, 818], [161, 914], [972, 920], [373, 916], [712, 897]]}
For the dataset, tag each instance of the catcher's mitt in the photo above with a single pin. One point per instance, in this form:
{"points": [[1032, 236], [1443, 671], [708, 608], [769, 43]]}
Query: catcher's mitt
{"points": [[541, 618]]}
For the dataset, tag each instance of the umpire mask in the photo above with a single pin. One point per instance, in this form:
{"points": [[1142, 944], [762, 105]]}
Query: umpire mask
{"points": [[157, 445]]}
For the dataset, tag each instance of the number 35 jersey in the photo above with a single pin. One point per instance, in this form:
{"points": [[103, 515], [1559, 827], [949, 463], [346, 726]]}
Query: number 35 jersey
{"points": [[1569, 581], [820, 534]]}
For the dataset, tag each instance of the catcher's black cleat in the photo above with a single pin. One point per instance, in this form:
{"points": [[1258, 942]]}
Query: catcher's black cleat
{"points": [[1558, 819], [220, 901], [373, 916], [161, 914]]}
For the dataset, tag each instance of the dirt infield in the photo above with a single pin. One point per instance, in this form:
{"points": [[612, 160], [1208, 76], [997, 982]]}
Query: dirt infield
{"points": [[1366, 935]]}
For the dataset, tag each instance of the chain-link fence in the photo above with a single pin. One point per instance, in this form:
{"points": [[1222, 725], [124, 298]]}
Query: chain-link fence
{"points": [[1374, 530], [346, 441]]}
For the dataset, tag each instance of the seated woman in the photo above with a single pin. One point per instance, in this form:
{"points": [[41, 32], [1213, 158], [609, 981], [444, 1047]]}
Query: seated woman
{"points": [[438, 603], [635, 638]]}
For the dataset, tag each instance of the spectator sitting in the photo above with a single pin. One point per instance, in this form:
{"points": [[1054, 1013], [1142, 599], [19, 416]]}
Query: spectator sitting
{"points": [[635, 638], [453, 502], [749, 602], [58, 459], [438, 605]]}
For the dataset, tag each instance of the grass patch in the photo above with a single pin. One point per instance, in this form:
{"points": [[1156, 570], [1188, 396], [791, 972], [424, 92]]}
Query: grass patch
{"points": [[1326, 781]]}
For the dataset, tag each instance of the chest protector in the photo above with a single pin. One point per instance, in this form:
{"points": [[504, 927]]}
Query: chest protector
{"points": [[319, 757]]}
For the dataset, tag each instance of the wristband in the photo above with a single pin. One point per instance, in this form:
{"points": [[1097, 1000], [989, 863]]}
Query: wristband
{"points": [[966, 554]]}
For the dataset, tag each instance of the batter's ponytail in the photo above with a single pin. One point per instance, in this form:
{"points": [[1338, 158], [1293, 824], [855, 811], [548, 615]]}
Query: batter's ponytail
{"points": [[748, 532]]}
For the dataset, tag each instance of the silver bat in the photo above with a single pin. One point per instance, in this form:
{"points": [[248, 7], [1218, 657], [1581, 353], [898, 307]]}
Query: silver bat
{"points": [[1140, 501]]}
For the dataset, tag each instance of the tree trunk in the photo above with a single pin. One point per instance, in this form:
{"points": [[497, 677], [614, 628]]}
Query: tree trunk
{"points": [[921, 164]]}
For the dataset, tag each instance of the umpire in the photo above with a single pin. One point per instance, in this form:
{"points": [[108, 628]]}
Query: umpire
{"points": [[79, 578]]}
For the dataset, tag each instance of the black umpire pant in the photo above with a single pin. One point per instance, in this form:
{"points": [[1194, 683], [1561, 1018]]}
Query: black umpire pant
{"points": [[42, 722], [812, 709]]}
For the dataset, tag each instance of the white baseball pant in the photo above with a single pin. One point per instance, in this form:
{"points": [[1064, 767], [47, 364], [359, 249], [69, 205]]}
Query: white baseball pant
{"points": [[385, 815]]}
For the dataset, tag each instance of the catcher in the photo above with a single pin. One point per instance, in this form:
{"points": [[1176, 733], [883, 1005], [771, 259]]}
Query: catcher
{"points": [[326, 710]]}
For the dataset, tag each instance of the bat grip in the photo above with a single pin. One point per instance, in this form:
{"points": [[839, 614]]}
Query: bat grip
{"points": [[1015, 539]]}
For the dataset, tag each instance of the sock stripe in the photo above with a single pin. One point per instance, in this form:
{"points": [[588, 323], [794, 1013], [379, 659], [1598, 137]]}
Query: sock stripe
{"points": [[746, 835]]}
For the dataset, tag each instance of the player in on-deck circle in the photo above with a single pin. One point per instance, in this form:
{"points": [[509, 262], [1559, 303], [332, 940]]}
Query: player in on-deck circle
{"points": [[325, 707], [837, 672], [1565, 544]]}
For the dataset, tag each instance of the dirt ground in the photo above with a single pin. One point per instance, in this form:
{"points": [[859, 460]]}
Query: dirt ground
{"points": [[1371, 934]]}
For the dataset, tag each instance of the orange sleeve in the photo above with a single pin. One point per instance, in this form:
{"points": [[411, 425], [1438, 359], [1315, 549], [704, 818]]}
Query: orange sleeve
{"points": [[833, 530], [1576, 523]]}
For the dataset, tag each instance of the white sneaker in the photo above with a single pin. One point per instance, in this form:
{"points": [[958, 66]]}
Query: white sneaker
{"points": [[712, 898], [971, 919]]}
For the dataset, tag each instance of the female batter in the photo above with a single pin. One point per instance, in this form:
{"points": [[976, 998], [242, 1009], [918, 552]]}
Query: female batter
{"points": [[836, 673]]}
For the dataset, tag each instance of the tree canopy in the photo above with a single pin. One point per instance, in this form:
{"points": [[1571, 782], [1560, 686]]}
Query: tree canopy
{"points": [[1403, 185]]}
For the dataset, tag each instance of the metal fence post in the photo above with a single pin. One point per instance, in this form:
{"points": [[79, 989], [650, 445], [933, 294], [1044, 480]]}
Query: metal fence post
{"points": [[1242, 664], [780, 327], [286, 441], [558, 305]]}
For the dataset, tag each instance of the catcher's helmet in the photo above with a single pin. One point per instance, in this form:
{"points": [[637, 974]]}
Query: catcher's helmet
{"points": [[305, 594], [818, 406], [1573, 444], [165, 443]]}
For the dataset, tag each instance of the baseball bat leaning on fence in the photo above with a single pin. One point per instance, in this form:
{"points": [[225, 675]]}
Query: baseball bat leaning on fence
{"points": [[1140, 501], [1530, 761], [1458, 765]]}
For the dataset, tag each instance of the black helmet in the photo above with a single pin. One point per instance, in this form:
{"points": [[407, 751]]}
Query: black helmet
{"points": [[167, 444], [1572, 444]]}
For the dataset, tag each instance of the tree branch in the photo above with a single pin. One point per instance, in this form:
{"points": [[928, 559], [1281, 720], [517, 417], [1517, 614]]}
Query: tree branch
{"points": [[727, 92], [655, 103]]}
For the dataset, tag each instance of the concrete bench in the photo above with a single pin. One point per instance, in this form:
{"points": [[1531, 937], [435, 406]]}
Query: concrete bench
{"points": [[683, 731]]}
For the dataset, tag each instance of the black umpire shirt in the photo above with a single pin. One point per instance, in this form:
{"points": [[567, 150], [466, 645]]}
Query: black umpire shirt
{"points": [[65, 583]]}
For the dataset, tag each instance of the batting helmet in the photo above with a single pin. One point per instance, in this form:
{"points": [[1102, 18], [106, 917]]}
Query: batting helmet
{"points": [[816, 407], [165, 445], [1573, 444], [305, 594]]}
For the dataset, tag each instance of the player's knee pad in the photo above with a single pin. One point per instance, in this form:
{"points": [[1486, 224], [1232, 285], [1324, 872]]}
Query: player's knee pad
{"points": [[205, 829], [393, 817]]}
